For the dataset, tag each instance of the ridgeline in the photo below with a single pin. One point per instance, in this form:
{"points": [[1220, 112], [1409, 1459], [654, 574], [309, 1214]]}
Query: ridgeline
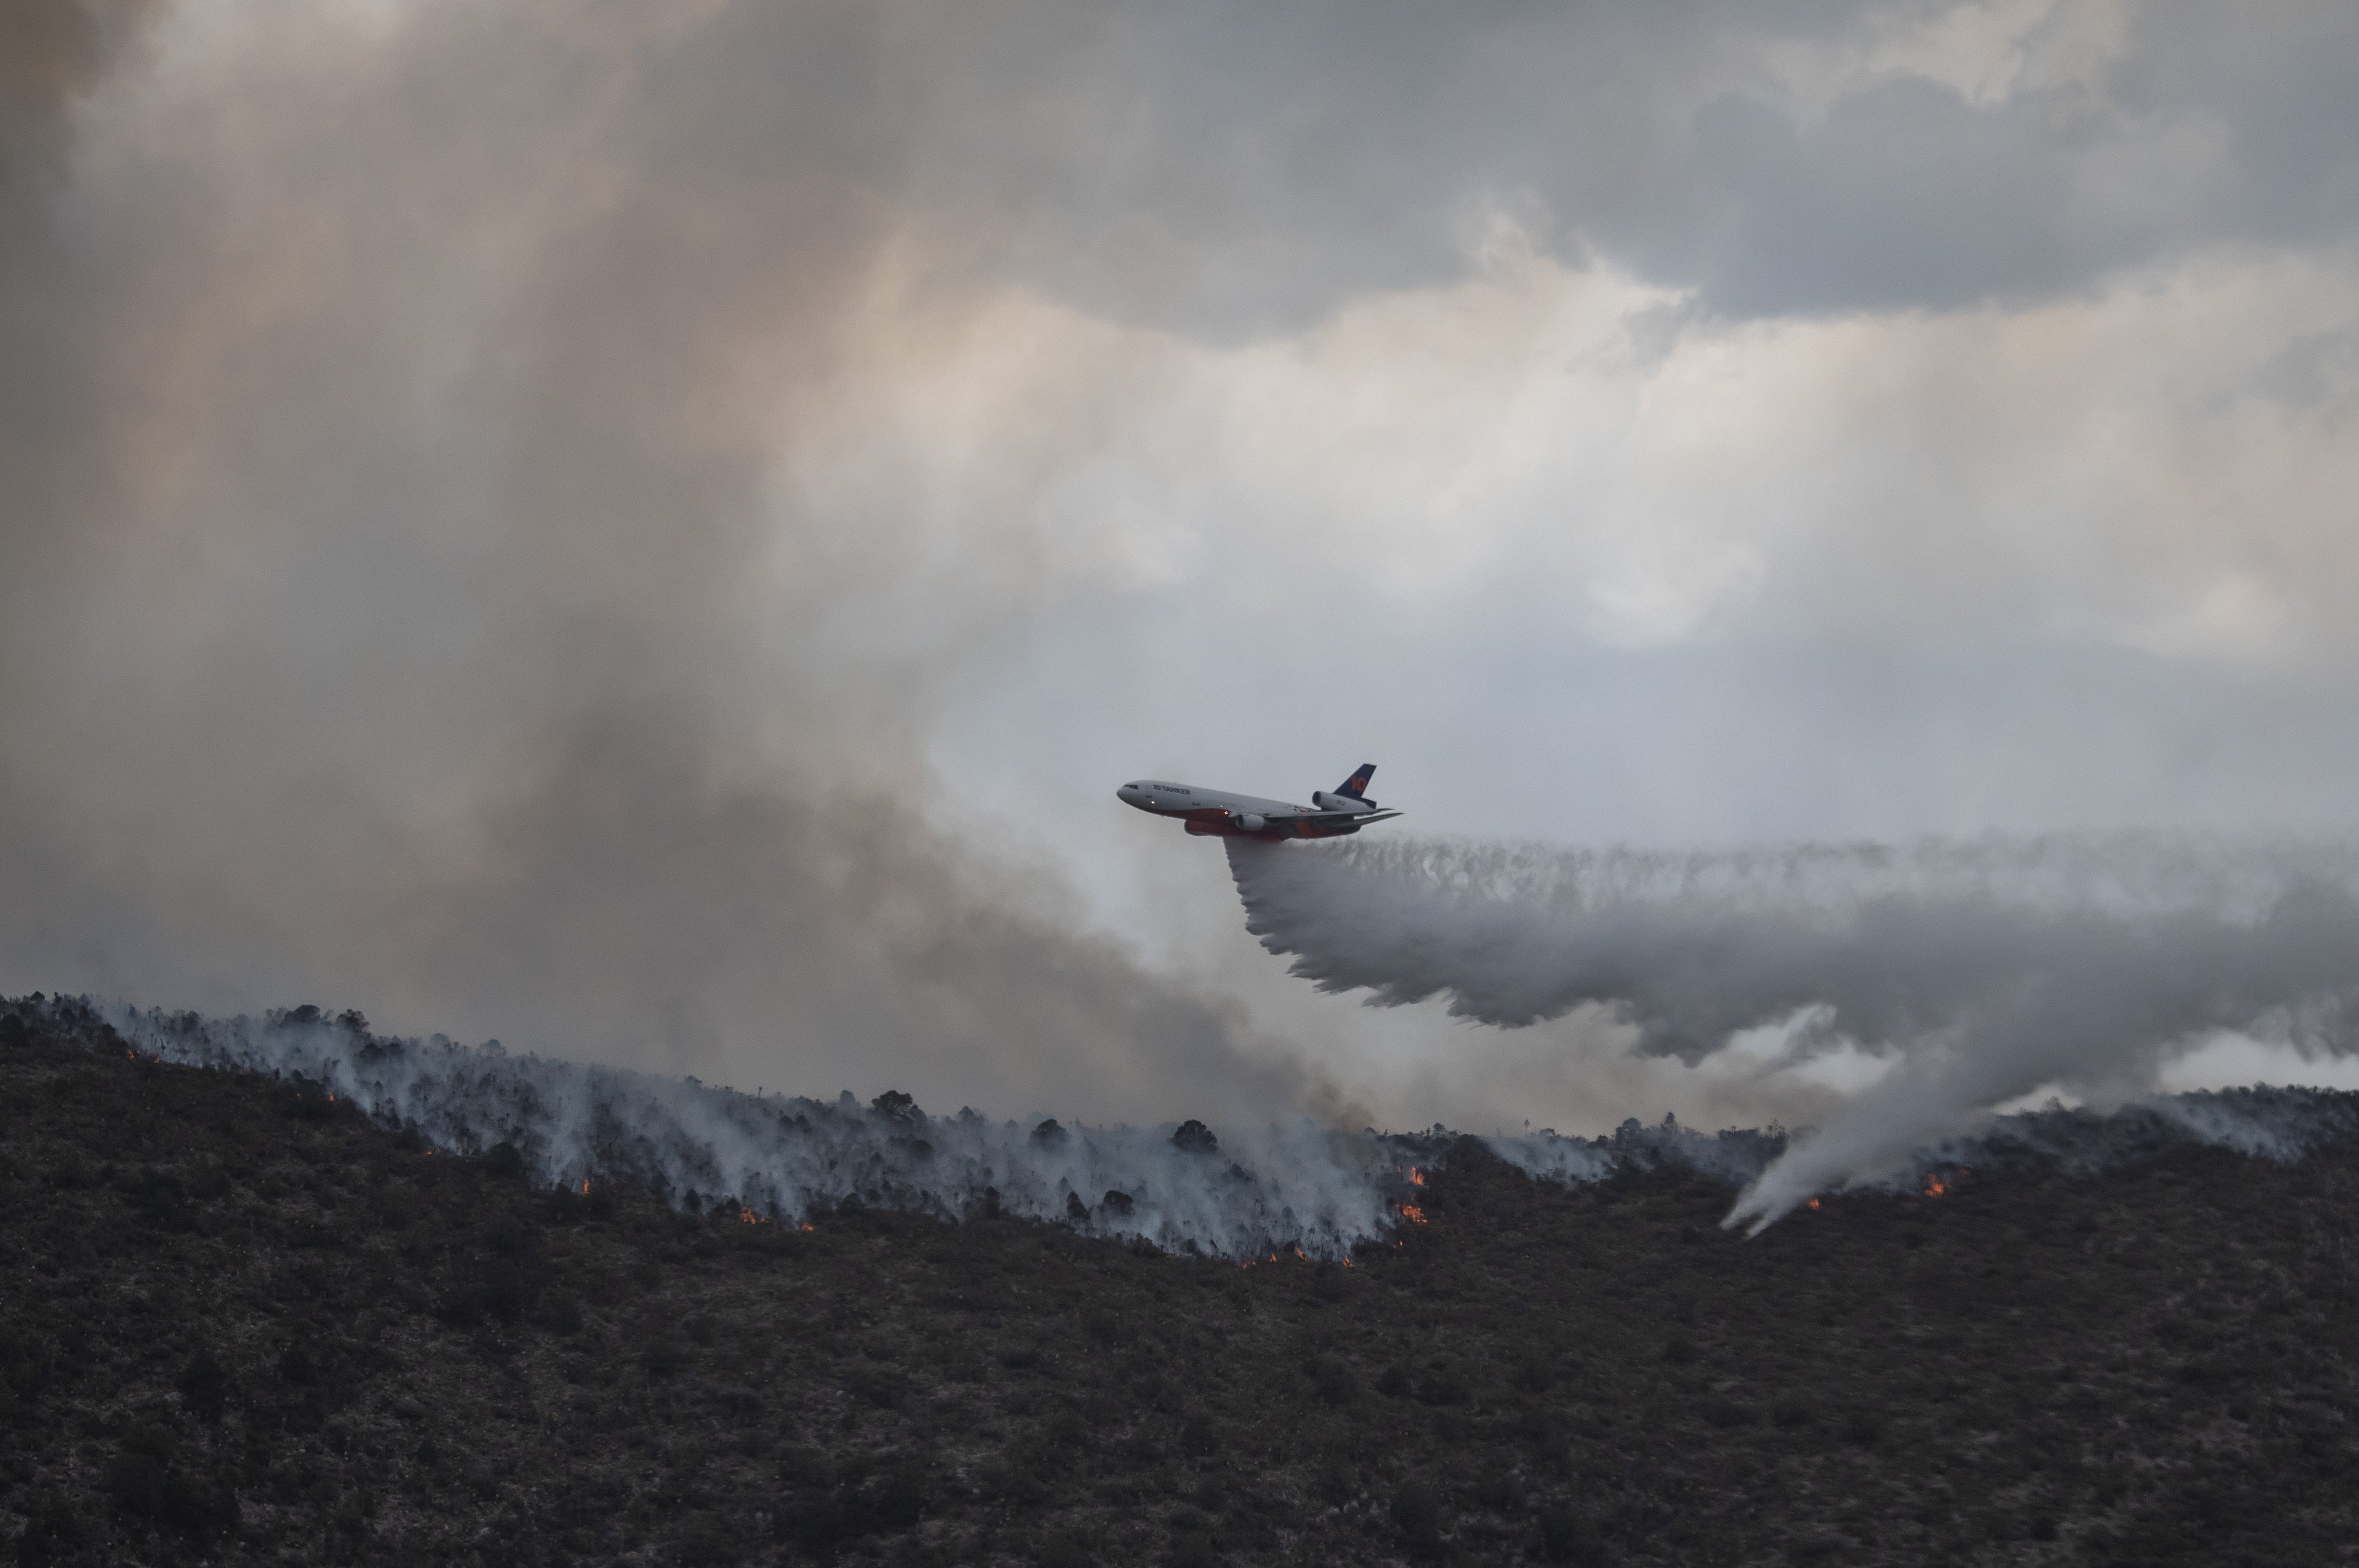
{"points": [[243, 1322]]}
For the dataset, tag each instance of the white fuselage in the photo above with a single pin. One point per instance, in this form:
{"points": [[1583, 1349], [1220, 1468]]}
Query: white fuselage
{"points": [[1186, 801], [1217, 811]]}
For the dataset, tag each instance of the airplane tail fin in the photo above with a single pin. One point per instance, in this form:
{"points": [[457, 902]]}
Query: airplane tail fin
{"points": [[1357, 786]]}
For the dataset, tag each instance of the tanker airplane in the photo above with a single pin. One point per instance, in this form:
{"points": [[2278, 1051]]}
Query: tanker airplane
{"points": [[1331, 814]]}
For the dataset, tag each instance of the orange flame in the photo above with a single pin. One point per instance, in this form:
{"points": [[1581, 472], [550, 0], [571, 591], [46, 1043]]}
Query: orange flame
{"points": [[1412, 1213], [807, 1225], [1416, 1176], [1814, 1202], [585, 1186], [748, 1217], [1934, 1187]]}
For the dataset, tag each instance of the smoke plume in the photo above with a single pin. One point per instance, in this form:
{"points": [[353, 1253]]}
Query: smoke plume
{"points": [[418, 587], [1980, 972], [1237, 1192]]}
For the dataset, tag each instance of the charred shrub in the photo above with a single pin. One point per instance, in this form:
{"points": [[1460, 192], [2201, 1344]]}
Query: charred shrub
{"points": [[1566, 1535], [560, 1313], [1442, 1385], [1727, 1414], [1070, 1550], [1194, 1138], [146, 1483], [505, 1236], [53, 1532], [203, 1383], [134, 1477], [895, 1495], [1331, 1380], [1198, 1435], [493, 1288], [882, 1388], [160, 1200], [503, 1161], [829, 1505], [298, 1367], [1416, 1514], [1498, 1490], [1192, 1548]]}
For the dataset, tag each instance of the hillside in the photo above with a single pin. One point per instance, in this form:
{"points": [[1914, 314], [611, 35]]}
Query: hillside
{"points": [[247, 1323]]}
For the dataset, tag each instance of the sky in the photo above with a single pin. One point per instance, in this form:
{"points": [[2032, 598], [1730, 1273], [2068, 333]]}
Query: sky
{"points": [[652, 530]]}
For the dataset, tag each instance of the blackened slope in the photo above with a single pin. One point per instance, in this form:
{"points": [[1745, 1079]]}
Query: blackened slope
{"points": [[243, 1320]]}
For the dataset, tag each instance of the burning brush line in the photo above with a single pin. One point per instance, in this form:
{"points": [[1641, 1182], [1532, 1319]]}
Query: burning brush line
{"points": [[1242, 1193]]}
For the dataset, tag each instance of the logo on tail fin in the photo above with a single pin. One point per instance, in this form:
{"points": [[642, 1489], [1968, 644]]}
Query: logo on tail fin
{"points": [[1357, 786]]}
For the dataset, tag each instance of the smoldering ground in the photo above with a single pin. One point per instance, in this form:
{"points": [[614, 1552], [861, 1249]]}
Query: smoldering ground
{"points": [[1980, 972]]}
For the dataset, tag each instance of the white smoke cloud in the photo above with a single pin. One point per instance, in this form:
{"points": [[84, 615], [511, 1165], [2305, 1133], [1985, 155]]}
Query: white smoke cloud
{"points": [[1984, 970], [1233, 1194], [1243, 1193]]}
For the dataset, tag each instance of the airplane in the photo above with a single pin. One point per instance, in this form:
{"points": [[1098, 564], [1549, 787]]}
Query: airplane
{"points": [[1331, 814]]}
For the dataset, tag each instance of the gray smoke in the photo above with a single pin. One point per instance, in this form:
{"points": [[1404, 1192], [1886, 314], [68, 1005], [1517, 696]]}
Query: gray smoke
{"points": [[412, 595], [1241, 1192], [1983, 970]]}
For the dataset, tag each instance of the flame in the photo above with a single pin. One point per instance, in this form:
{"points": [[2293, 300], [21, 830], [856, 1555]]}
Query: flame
{"points": [[1299, 1253], [807, 1225], [748, 1217], [1416, 1176], [1935, 1187], [585, 1186], [1814, 1202], [1347, 1263], [1412, 1213]]}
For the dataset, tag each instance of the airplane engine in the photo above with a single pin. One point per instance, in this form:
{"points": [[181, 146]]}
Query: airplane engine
{"points": [[1330, 802], [1251, 821]]}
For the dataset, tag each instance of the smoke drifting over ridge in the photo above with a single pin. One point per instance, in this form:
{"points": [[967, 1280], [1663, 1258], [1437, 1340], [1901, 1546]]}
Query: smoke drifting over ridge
{"points": [[502, 501], [412, 594], [1980, 971], [1242, 1194], [780, 1159]]}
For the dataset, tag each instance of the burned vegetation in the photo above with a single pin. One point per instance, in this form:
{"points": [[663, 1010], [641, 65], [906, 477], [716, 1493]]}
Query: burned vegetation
{"points": [[243, 1322]]}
